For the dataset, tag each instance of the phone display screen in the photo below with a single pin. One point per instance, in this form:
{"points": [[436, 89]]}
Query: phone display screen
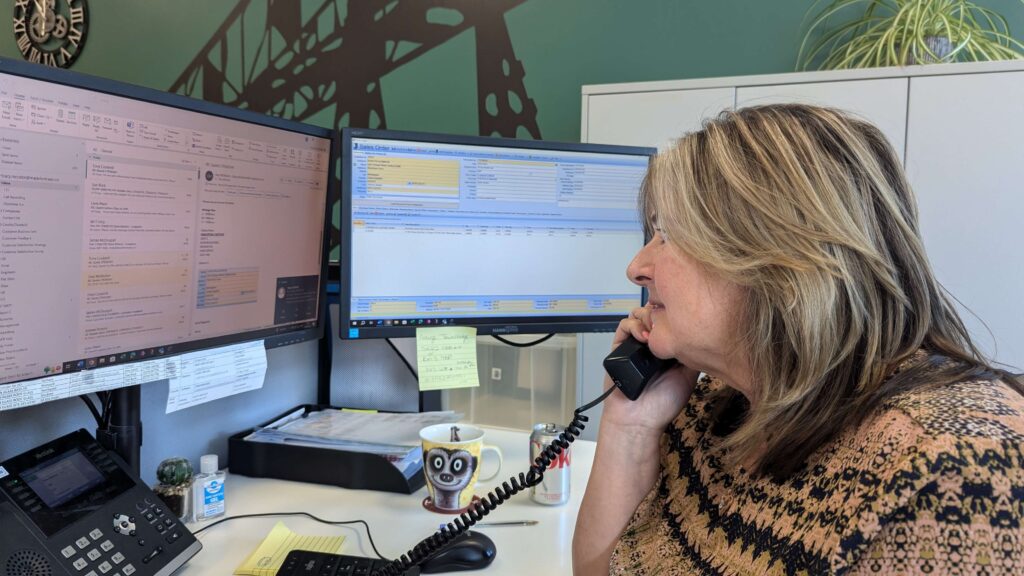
{"points": [[59, 480], [63, 481]]}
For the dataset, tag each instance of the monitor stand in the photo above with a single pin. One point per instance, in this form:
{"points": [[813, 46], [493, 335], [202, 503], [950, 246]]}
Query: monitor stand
{"points": [[123, 435]]}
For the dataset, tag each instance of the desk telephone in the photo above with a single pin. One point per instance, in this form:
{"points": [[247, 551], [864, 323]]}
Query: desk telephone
{"points": [[69, 507]]}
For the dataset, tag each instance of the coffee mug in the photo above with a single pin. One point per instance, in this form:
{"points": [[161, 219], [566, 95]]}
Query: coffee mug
{"points": [[451, 464]]}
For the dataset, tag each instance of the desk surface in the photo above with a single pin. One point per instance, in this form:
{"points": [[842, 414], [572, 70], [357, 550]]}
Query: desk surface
{"points": [[398, 521]]}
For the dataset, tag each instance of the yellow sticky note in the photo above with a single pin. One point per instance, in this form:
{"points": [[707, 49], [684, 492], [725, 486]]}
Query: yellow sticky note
{"points": [[270, 554], [446, 357]]}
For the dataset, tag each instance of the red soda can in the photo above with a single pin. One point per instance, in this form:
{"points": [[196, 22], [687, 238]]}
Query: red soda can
{"points": [[554, 488]]}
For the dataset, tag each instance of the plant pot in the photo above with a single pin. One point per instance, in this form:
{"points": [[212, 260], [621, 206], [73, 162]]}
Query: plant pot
{"points": [[939, 45]]}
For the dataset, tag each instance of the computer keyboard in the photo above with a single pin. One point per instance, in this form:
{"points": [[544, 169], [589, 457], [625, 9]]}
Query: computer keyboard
{"points": [[305, 563]]}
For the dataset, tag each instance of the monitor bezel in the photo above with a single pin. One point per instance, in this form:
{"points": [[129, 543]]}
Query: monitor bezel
{"points": [[554, 325], [272, 337]]}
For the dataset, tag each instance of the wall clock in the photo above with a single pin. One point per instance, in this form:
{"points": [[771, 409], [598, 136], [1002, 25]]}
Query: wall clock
{"points": [[50, 32]]}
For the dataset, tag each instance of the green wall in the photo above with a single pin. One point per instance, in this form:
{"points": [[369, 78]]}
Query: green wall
{"points": [[563, 45]]}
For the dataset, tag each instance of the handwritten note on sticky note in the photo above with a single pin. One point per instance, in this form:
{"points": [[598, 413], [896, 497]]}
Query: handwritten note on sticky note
{"points": [[270, 554], [446, 357]]}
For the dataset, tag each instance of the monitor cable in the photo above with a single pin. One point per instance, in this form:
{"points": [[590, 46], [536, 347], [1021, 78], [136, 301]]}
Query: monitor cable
{"points": [[307, 515], [402, 357], [92, 408], [478, 509], [102, 414], [108, 400], [522, 344]]}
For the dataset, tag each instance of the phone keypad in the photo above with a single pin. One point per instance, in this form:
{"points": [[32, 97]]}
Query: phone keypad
{"points": [[100, 566], [100, 555]]}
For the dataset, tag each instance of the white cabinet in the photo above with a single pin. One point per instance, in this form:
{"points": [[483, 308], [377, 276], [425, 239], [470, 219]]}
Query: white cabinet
{"points": [[652, 118], [882, 102], [964, 161], [958, 128]]}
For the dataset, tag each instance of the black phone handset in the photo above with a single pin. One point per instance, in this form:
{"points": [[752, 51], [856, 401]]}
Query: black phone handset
{"points": [[631, 366]]}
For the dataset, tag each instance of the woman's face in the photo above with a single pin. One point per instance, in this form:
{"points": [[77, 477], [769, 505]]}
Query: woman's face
{"points": [[693, 311]]}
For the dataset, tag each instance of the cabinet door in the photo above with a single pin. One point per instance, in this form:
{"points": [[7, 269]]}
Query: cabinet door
{"points": [[882, 102], [964, 162], [652, 118]]}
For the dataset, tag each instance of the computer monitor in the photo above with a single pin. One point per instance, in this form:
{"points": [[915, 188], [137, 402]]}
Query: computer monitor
{"points": [[137, 224], [507, 236]]}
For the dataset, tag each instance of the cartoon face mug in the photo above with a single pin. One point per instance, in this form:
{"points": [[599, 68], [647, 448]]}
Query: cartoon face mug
{"points": [[451, 464]]}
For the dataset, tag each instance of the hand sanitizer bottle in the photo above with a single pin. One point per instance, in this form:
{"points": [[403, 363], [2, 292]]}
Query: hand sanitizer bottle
{"points": [[208, 488]]}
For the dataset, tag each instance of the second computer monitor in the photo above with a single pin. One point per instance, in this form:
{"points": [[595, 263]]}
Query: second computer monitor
{"points": [[507, 236]]}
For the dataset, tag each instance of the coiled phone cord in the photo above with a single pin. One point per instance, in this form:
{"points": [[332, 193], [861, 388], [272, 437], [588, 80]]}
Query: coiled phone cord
{"points": [[449, 532]]}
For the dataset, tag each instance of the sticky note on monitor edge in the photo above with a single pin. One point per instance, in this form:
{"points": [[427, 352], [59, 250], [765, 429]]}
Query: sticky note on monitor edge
{"points": [[446, 357]]}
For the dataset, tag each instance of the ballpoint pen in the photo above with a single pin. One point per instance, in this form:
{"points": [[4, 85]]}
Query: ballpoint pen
{"points": [[509, 523]]}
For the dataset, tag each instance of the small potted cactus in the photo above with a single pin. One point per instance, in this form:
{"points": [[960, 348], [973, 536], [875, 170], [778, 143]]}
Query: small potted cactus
{"points": [[175, 486]]}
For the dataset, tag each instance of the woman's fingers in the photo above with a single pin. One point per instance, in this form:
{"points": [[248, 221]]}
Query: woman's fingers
{"points": [[636, 325], [644, 316]]}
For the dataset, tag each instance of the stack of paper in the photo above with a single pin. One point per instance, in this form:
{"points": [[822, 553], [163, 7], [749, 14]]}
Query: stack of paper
{"points": [[393, 436]]}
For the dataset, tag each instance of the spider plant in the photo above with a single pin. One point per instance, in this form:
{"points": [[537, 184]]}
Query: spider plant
{"points": [[901, 32]]}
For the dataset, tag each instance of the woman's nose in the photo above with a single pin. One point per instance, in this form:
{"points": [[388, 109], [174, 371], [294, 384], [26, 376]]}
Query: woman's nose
{"points": [[640, 270]]}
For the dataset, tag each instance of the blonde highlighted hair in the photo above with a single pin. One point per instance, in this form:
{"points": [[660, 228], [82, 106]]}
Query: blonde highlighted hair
{"points": [[809, 211]]}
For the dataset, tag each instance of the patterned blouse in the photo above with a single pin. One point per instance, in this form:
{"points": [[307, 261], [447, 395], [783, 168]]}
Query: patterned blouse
{"points": [[932, 483]]}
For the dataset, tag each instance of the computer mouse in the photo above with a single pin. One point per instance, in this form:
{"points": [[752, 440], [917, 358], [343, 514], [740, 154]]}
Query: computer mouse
{"points": [[470, 551]]}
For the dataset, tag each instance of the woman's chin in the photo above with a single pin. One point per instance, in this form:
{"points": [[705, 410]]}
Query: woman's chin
{"points": [[658, 348]]}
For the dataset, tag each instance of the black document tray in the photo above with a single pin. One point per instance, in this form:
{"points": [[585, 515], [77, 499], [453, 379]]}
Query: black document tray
{"points": [[355, 470]]}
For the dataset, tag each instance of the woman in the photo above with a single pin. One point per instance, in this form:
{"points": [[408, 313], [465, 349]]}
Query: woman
{"points": [[845, 423]]}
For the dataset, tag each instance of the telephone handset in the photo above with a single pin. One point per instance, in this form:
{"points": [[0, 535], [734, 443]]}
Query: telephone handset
{"points": [[70, 507], [631, 366]]}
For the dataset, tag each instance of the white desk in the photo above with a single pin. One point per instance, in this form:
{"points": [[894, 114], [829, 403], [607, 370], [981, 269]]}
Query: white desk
{"points": [[398, 521]]}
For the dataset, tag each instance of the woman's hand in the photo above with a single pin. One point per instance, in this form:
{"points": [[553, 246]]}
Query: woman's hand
{"points": [[662, 399]]}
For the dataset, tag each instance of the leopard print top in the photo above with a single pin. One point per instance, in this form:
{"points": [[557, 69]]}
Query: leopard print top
{"points": [[931, 483]]}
